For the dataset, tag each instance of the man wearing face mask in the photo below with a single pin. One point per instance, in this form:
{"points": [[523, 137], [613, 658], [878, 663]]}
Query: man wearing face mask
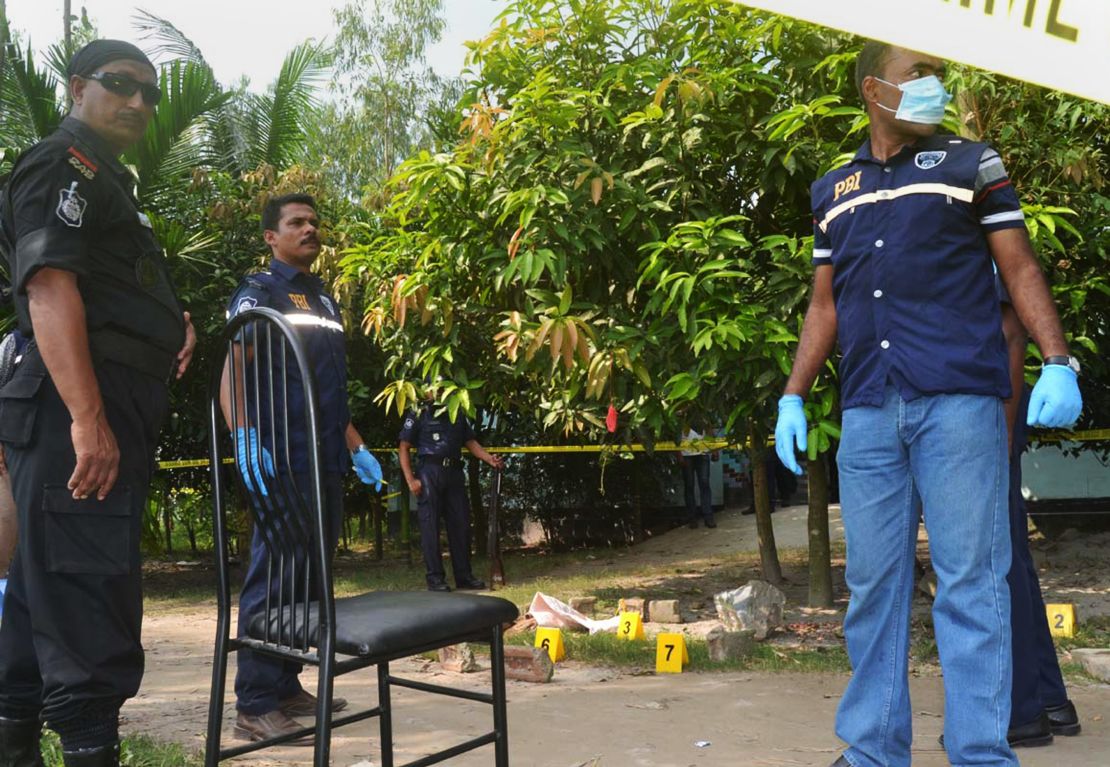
{"points": [[79, 418], [903, 241]]}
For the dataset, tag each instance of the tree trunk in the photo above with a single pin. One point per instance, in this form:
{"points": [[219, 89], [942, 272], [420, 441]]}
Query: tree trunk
{"points": [[478, 518], [167, 517], [768, 552], [820, 557], [67, 20]]}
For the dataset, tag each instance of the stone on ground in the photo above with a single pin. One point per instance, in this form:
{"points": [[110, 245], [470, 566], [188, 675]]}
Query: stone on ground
{"points": [[729, 645], [756, 606], [1095, 662], [528, 664], [664, 611]]}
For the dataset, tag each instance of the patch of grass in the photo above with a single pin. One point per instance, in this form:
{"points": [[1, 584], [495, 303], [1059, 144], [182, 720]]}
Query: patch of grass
{"points": [[136, 751], [608, 650], [1092, 632]]}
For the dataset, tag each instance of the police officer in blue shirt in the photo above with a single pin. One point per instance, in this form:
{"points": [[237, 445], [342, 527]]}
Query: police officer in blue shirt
{"points": [[903, 242], [79, 420], [268, 691], [440, 489]]}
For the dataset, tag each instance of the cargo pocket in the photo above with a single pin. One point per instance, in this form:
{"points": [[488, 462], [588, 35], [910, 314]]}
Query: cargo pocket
{"points": [[18, 407], [87, 537]]}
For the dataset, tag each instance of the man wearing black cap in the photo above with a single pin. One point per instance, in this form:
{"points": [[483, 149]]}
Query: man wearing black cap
{"points": [[92, 291]]}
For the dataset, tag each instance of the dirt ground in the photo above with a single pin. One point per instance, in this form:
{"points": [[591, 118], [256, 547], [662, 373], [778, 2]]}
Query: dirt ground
{"points": [[620, 718]]}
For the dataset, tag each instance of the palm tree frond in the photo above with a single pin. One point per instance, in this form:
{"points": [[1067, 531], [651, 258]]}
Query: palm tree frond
{"points": [[171, 41]]}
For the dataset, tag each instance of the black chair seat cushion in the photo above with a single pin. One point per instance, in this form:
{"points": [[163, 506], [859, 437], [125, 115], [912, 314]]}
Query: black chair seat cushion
{"points": [[390, 623]]}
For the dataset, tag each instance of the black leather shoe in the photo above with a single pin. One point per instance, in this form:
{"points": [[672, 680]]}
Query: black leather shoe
{"points": [[1036, 733], [1063, 719], [19, 742], [710, 523], [438, 586], [470, 584], [105, 756]]}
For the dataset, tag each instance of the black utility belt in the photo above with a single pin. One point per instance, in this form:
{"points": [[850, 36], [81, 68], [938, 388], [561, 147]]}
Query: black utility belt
{"points": [[135, 353], [446, 462]]}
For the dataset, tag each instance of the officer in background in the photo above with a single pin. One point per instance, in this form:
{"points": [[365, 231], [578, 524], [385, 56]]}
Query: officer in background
{"points": [[79, 420], [268, 691], [440, 490]]}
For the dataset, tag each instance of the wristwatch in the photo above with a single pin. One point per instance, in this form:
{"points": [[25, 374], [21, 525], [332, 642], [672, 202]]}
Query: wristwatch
{"points": [[1063, 359]]}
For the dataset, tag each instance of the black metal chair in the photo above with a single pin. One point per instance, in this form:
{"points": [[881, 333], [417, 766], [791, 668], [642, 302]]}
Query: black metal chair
{"points": [[302, 621]]}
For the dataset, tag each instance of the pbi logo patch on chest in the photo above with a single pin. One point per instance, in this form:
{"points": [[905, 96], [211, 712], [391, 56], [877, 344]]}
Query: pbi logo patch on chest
{"points": [[71, 206], [927, 160]]}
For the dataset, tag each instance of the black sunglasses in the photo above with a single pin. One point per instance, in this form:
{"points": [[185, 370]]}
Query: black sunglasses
{"points": [[125, 86]]}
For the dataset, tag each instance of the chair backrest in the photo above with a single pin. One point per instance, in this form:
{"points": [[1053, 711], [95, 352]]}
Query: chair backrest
{"points": [[266, 391]]}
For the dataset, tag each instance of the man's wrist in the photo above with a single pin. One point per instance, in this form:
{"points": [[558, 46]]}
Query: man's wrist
{"points": [[359, 448], [1063, 360]]}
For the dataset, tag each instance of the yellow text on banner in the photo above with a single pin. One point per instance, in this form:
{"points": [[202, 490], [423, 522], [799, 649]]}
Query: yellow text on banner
{"points": [[1061, 44]]}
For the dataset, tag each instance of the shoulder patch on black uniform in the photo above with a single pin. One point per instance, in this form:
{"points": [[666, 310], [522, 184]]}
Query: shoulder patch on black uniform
{"points": [[71, 206]]}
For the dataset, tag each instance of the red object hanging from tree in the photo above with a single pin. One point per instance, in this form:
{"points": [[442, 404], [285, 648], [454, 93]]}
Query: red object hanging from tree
{"points": [[611, 419]]}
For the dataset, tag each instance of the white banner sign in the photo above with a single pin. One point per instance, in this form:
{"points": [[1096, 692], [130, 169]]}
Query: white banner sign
{"points": [[1061, 44]]}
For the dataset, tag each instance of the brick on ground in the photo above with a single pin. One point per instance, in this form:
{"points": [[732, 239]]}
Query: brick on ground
{"points": [[528, 664]]}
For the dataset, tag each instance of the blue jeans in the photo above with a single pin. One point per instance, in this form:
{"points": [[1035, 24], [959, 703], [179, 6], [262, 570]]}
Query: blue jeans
{"points": [[949, 451]]}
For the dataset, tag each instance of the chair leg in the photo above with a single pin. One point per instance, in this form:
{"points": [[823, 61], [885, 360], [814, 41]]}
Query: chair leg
{"points": [[500, 709], [325, 687], [216, 699], [385, 722]]}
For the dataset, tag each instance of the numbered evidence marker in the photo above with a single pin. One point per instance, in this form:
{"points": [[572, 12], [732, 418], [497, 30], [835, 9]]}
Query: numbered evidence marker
{"points": [[670, 653], [552, 641], [631, 627], [1061, 620]]}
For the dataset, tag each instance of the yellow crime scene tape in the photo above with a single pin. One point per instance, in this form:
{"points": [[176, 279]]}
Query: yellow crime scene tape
{"points": [[1093, 435]]}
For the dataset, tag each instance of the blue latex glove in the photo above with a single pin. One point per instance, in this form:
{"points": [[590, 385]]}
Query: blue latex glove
{"points": [[248, 452], [367, 468], [1056, 402], [791, 431]]}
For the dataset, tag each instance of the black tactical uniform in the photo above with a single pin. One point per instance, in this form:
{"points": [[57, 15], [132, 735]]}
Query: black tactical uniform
{"points": [[70, 638], [438, 443]]}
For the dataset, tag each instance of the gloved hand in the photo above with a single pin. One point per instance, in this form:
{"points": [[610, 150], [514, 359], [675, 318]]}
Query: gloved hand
{"points": [[1056, 401], [253, 459], [367, 468], [791, 430]]}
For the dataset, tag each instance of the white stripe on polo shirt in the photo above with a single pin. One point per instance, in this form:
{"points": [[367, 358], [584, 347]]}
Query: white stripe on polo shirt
{"points": [[309, 319], [998, 218], [946, 190], [822, 253]]}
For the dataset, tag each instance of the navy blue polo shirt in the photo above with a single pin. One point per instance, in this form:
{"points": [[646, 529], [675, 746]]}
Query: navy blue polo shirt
{"points": [[435, 435], [302, 300], [916, 304]]}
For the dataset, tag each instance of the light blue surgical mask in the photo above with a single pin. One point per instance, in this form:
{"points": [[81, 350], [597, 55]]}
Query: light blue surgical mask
{"points": [[923, 100]]}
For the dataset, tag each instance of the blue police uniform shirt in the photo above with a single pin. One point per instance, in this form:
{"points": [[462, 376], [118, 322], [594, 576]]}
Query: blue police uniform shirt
{"points": [[916, 303], [302, 300], [435, 435]]}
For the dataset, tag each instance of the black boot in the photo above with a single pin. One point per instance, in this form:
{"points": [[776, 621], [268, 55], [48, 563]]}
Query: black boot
{"points": [[105, 756], [19, 742]]}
